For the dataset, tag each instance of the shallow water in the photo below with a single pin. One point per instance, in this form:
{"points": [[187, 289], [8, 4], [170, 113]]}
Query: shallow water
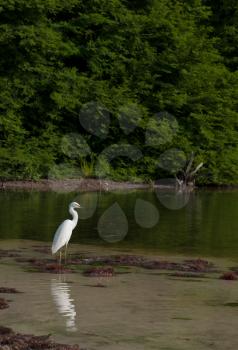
{"points": [[141, 309]]}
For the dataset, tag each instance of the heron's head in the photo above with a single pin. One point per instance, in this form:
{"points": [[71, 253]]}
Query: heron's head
{"points": [[74, 205]]}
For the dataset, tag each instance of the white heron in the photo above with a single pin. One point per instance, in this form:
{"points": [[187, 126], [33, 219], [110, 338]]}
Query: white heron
{"points": [[64, 231]]}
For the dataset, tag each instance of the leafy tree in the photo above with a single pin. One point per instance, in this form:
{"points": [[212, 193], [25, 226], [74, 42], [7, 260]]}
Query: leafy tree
{"points": [[155, 55]]}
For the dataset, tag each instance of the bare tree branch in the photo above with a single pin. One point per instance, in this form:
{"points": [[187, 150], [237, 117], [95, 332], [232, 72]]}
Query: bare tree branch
{"points": [[196, 170], [190, 163]]}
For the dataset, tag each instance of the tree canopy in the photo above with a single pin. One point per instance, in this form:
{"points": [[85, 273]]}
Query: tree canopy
{"points": [[157, 74]]}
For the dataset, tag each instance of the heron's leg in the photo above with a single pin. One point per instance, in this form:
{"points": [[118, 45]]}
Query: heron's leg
{"points": [[60, 258], [65, 253]]}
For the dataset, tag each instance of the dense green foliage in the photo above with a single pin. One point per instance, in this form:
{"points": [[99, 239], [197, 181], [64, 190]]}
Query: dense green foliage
{"points": [[130, 58]]}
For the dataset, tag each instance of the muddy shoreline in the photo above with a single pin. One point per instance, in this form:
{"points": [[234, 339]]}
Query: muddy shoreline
{"points": [[87, 185], [81, 185]]}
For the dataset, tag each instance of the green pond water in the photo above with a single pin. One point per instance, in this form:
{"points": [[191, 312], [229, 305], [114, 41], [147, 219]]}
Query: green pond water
{"points": [[139, 309], [204, 223]]}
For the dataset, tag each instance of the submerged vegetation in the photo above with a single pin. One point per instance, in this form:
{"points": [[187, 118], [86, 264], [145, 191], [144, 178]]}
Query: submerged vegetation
{"points": [[3, 304], [113, 264], [9, 340], [130, 59]]}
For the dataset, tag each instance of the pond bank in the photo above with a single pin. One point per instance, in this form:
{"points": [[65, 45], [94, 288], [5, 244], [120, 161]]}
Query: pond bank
{"points": [[90, 185], [72, 185]]}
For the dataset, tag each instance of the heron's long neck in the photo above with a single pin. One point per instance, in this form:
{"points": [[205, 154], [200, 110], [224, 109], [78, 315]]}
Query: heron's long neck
{"points": [[74, 215]]}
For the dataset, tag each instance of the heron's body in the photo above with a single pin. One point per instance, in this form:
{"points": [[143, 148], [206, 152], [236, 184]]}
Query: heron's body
{"points": [[64, 231]]}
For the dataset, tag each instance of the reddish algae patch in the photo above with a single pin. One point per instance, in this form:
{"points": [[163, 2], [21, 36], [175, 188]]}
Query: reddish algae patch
{"points": [[8, 290], [229, 276], [10, 340], [3, 304], [99, 272]]}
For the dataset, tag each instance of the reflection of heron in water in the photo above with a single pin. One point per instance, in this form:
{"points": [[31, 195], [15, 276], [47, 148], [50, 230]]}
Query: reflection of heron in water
{"points": [[60, 292]]}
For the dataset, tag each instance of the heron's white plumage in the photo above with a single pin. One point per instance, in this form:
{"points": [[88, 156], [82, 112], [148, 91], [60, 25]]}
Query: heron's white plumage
{"points": [[64, 231], [62, 235]]}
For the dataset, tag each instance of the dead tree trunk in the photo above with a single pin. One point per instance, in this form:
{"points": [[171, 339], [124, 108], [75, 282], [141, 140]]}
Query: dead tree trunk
{"points": [[186, 178]]}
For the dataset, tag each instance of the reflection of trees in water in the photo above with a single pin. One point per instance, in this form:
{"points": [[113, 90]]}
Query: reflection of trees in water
{"points": [[207, 224], [193, 218], [219, 224], [60, 292], [211, 222], [33, 215]]}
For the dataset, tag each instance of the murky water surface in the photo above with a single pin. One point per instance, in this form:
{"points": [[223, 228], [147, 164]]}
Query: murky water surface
{"points": [[140, 309]]}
